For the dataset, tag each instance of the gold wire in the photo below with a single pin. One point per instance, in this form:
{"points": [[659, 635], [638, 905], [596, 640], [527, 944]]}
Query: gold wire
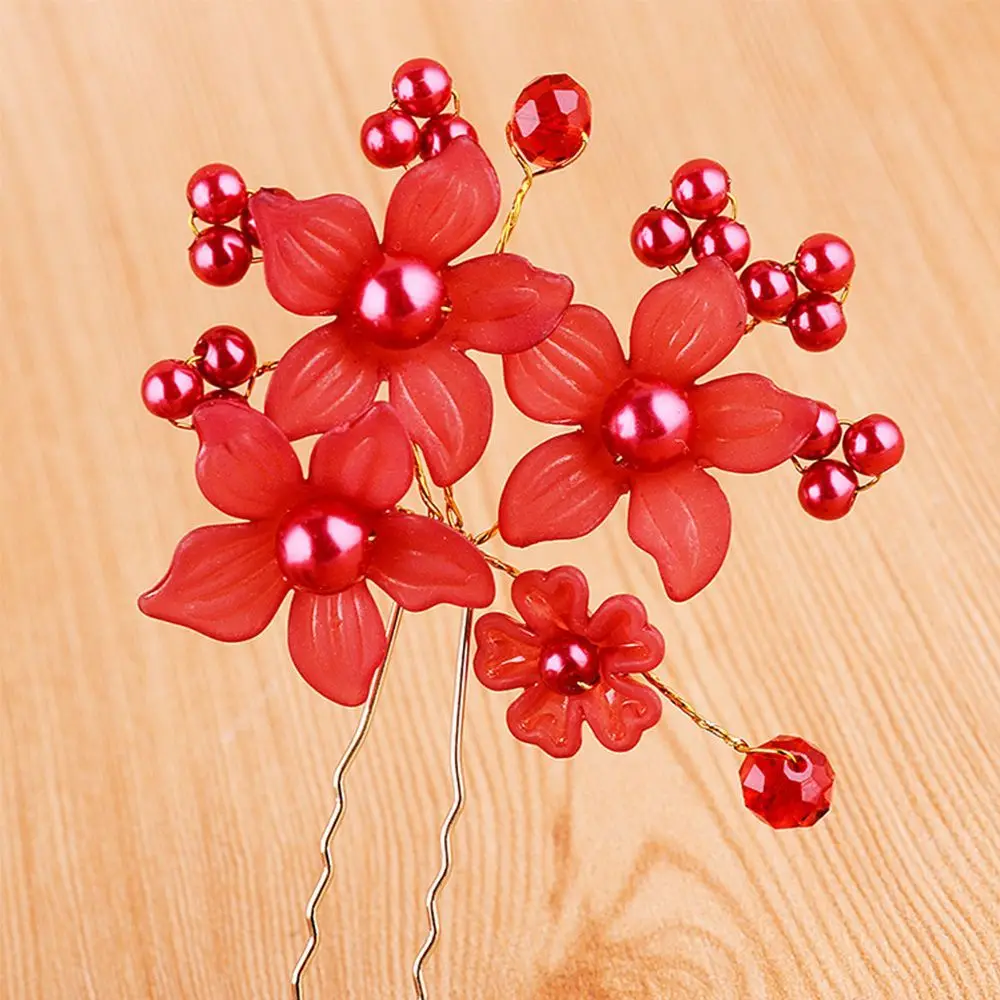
{"points": [[340, 805], [484, 536], [457, 803], [496, 563], [424, 486], [193, 223], [800, 466], [258, 371], [182, 426], [734, 205]]}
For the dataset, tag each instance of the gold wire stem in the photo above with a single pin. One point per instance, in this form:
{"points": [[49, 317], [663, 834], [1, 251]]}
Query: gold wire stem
{"points": [[457, 803], [181, 426], [736, 743], [453, 512], [504, 567], [258, 372], [800, 467], [193, 223], [340, 805], [484, 536]]}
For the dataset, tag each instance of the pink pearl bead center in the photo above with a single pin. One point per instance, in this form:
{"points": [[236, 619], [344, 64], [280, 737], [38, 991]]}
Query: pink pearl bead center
{"points": [[646, 424], [402, 303], [322, 547]]}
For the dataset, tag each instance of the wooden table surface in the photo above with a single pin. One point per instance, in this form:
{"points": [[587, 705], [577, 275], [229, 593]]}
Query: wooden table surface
{"points": [[162, 795]]}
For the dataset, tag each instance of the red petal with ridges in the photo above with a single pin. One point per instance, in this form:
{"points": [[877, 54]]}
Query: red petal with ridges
{"points": [[567, 378], [745, 423], [501, 303], [681, 517], [245, 465], [321, 382], [369, 462], [314, 251], [620, 710], [553, 722], [337, 642], [683, 327], [553, 601], [564, 488], [446, 406], [442, 207], [506, 653], [223, 582], [629, 644], [419, 563]]}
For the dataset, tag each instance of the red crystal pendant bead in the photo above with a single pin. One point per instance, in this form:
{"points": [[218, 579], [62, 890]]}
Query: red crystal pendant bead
{"points": [[783, 793], [551, 120], [646, 424], [570, 664], [873, 445], [828, 489], [226, 356]]}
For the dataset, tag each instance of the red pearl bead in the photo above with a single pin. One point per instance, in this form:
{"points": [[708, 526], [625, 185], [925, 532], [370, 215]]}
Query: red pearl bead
{"points": [[646, 424], [422, 87], [247, 224], [722, 237], [390, 138], [171, 389], [401, 304], [825, 435], [783, 793], [770, 289], [551, 118], [226, 356], [873, 445], [824, 263], [322, 546], [661, 237], [817, 321], [440, 130], [220, 256], [828, 489], [570, 664], [700, 188], [216, 193]]}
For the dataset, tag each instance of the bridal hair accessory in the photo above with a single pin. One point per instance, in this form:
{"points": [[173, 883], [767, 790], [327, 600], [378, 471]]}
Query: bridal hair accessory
{"points": [[407, 308]]}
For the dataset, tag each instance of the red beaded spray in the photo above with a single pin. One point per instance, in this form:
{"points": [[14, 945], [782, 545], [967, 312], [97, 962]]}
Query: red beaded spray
{"points": [[406, 306]]}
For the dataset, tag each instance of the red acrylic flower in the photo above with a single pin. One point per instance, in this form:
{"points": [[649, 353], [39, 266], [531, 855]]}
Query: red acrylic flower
{"points": [[573, 666], [323, 536], [646, 428], [403, 312]]}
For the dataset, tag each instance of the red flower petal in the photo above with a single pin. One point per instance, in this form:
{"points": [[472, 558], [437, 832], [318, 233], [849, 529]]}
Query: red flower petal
{"points": [[629, 644], [683, 327], [245, 465], [506, 653], [440, 208], [619, 710], [553, 601], [551, 721], [337, 642], [314, 251], [322, 381], [502, 304], [564, 488], [223, 582], [681, 517], [567, 377], [419, 563], [745, 423], [370, 461], [446, 406]]}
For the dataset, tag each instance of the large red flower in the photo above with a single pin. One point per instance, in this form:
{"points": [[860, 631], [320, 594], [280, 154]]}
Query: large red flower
{"points": [[573, 665], [403, 312], [646, 427], [323, 536]]}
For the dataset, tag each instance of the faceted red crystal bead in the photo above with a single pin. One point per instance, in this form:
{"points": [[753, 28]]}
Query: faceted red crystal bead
{"points": [[661, 237], [873, 445], [828, 489], [551, 119], [390, 138], [226, 356], [220, 255], [247, 224], [770, 289], [216, 193], [825, 435], [171, 389], [824, 263], [783, 793], [816, 321], [422, 87], [700, 188], [440, 130], [722, 237]]}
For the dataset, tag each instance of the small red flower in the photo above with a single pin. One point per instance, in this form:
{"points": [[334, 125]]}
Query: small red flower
{"points": [[403, 312], [574, 666], [323, 536], [646, 428]]}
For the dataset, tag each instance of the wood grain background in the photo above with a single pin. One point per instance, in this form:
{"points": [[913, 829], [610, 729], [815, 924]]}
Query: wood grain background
{"points": [[162, 794]]}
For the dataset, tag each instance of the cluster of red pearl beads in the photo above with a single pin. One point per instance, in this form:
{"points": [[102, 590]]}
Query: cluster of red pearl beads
{"points": [[223, 356], [421, 88], [871, 446], [220, 254]]}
